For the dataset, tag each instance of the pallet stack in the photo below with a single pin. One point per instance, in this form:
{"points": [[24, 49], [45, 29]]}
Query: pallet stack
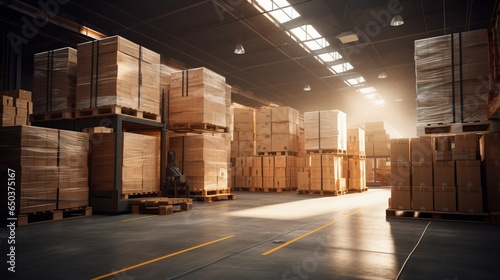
{"points": [[139, 167], [277, 130], [198, 99], [50, 164], [400, 174], [356, 160], [16, 107], [54, 82], [445, 184], [450, 72], [377, 141], [422, 190], [243, 132], [116, 72], [326, 142]]}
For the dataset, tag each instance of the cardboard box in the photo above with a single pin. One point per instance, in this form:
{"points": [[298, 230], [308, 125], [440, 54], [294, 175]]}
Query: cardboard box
{"points": [[22, 94], [421, 174], [21, 103], [400, 150], [422, 198], [401, 197], [470, 199], [493, 194], [400, 174], [468, 173], [304, 182], [442, 143], [421, 149], [445, 198], [490, 146], [467, 140], [443, 155], [444, 173], [492, 172], [7, 101]]}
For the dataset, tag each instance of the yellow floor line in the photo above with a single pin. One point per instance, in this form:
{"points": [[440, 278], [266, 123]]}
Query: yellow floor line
{"points": [[161, 258], [140, 218], [309, 233]]}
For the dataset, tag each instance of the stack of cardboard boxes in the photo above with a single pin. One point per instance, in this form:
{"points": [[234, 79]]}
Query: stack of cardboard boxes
{"points": [[277, 129], [51, 166], [117, 72], [326, 130], [400, 174], [327, 175], [356, 160], [466, 154], [445, 187], [16, 107], [243, 132], [422, 174], [490, 152], [54, 83], [377, 141], [139, 167]]}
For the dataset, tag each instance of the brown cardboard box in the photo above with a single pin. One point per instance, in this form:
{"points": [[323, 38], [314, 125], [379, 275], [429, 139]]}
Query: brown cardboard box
{"points": [[490, 146], [401, 197], [443, 155], [422, 198], [421, 149], [493, 194], [467, 140], [22, 94], [8, 110], [7, 100], [284, 161], [445, 198], [304, 182], [468, 173], [268, 182], [382, 149], [284, 142], [470, 199], [400, 150], [442, 143], [21, 103], [444, 173], [492, 172], [421, 174], [400, 174]]}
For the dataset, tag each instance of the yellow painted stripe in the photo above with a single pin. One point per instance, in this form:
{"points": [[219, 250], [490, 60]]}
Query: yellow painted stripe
{"points": [[140, 218], [161, 258], [307, 234]]}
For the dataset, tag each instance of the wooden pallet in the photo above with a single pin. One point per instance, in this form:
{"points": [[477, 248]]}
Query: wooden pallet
{"points": [[281, 153], [453, 128], [160, 205], [52, 216], [357, 190], [356, 156], [244, 189], [323, 192], [115, 110], [139, 195], [212, 195], [438, 215], [51, 116], [197, 127], [327, 151]]}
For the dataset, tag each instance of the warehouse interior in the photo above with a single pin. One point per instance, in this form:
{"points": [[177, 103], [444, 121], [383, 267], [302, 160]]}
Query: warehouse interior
{"points": [[389, 111]]}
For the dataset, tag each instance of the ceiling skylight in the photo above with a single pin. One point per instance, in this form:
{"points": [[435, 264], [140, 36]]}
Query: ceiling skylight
{"points": [[355, 81], [339, 68], [367, 90], [329, 57], [280, 10]]}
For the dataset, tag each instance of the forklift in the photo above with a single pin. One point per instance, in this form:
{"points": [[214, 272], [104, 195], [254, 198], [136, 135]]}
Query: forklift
{"points": [[175, 183]]}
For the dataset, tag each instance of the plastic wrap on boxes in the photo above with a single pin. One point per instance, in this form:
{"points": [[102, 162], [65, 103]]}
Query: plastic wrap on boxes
{"points": [[198, 96], [54, 83], [116, 71], [325, 130], [452, 78], [203, 159], [140, 164], [47, 161]]}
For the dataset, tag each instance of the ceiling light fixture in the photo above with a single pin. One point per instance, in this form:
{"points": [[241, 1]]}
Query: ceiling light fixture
{"points": [[397, 21], [307, 88], [382, 75], [239, 49], [348, 37]]}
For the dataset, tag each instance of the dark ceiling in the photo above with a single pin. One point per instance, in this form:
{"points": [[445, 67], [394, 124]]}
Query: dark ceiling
{"points": [[197, 33]]}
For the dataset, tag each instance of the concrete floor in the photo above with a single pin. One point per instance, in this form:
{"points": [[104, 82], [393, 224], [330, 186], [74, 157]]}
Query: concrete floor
{"points": [[260, 236]]}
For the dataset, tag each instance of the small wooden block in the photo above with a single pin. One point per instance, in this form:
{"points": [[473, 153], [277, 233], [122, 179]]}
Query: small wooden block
{"points": [[165, 209], [57, 215]]}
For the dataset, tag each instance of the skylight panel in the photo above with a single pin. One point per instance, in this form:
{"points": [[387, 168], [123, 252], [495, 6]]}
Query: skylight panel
{"points": [[367, 90], [379, 102], [355, 81], [280, 10], [305, 33], [339, 68], [329, 57], [317, 44]]}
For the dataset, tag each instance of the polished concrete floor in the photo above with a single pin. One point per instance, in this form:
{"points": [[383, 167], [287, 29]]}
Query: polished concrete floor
{"points": [[260, 236]]}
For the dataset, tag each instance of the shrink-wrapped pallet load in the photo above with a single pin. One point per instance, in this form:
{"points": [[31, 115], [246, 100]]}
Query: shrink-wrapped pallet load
{"points": [[326, 130]]}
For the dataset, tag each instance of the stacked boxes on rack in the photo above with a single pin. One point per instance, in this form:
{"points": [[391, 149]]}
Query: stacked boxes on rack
{"points": [[277, 129], [16, 107], [117, 72], [51, 165], [198, 96], [445, 186], [203, 159], [377, 141], [139, 167], [448, 78], [54, 83], [356, 160], [243, 140]]}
